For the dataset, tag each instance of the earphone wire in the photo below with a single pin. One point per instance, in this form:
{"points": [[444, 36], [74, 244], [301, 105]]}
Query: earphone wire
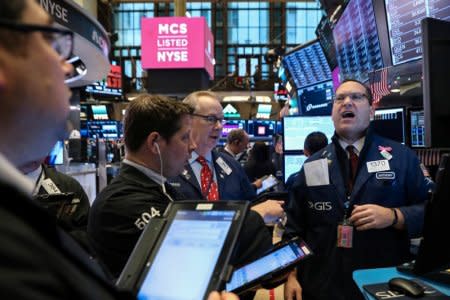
{"points": [[161, 173]]}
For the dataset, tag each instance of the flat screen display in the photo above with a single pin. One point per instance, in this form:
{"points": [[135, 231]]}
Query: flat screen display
{"points": [[390, 123], [417, 125], [296, 128], [56, 155], [403, 20], [292, 163], [99, 112], [110, 86], [325, 34], [356, 38], [264, 111], [261, 128], [307, 64], [233, 124], [192, 236], [316, 99]]}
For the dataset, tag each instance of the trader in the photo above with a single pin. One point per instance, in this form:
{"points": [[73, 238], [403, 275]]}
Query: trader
{"points": [[212, 175], [357, 202]]}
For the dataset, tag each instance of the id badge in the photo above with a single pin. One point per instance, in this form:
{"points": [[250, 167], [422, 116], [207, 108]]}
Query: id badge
{"points": [[345, 235]]}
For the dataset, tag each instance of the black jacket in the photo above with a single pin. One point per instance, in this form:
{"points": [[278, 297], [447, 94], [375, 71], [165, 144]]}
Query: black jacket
{"points": [[39, 260]]}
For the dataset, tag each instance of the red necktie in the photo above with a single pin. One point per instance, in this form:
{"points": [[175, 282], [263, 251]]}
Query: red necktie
{"points": [[209, 187], [353, 159]]}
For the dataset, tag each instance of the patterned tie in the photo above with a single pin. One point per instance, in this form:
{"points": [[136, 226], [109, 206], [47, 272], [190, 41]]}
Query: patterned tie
{"points": [[209, 187], [353, 160]]}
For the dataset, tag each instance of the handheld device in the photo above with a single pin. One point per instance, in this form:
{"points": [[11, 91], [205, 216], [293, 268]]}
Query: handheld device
{"points": [[268, 181], [277, 262], [191, 246]]}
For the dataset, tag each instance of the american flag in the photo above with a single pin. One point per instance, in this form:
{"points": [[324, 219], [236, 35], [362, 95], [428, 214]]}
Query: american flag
{"points": [[379, 84]]}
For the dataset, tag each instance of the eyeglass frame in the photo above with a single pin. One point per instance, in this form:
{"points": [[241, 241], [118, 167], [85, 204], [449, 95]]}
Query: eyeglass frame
{"points": [[354, 97], [210, 118], [27, 28]]}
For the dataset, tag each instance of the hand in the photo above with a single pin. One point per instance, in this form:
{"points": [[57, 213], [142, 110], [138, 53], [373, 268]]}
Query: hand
{"points": [[270, 210], [292, 288], [371, 216], [257, 183], [222, 296]]}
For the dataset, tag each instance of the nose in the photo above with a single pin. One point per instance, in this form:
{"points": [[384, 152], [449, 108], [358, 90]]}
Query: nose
{"points": [[192, 145]]}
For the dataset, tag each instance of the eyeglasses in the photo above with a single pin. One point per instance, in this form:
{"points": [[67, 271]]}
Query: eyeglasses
{"points": [[211, 119], [61, 40], [355, 97]]}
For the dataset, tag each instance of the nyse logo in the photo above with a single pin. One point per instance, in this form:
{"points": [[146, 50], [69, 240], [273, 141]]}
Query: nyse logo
{"points": [[320, 206]]}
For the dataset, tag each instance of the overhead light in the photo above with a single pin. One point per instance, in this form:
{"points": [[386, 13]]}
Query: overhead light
{"points": [[395, 90]]}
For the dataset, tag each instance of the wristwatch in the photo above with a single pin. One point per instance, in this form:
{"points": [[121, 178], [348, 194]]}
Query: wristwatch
{"points": [[395, 221]]}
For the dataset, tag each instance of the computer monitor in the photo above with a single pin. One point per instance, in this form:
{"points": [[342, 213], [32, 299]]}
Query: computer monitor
{"points": [[436, 74], [316, 99], [297, 128], [261, 128], [355, 34], [292, 163], [307, 64], [233, 124], [403, 21], [417, 127], [390, 123], [325, 34], [434, 250], [56, 155], [99, 112], [264, 111]]}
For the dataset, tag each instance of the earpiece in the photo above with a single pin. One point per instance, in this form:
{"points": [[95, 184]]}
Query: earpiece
{"points": [[157, 148]]}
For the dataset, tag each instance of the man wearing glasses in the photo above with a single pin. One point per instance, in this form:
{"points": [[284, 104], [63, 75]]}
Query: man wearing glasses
{"points": [[38, 259], [357, 202]]}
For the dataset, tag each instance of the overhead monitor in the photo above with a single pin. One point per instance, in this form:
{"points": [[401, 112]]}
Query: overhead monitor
{"points": [[405, 33], [233, 124], [390, 123], [292, 163], [325, 35], [261, 128], [316, 99], [307, 64], [417, 127], [296, 128], [355, 34]]}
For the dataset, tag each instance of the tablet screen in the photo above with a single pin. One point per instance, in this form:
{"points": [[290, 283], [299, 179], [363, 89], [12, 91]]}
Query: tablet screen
{"points": [[267, 183], [179, 269], [270, 263]]}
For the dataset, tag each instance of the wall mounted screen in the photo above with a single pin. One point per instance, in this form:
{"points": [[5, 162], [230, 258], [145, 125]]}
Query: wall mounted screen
{"points": [[316, 99], [403, 20], [390, 123], [307, 64], [356, 38], [417, 128]]}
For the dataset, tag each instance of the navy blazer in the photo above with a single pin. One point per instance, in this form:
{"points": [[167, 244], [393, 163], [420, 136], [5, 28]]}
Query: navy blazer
{"points": [[315, 211], [232, 185]]}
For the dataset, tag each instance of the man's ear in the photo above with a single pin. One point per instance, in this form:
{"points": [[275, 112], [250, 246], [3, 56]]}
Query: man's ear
{"points": [[152, 141]]}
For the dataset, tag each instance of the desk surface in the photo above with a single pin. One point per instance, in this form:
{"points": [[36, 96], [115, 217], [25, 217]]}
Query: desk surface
{"points": [[372, 276]]}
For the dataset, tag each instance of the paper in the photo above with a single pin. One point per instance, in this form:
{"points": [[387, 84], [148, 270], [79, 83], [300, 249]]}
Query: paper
{"points": [[316, 172]]}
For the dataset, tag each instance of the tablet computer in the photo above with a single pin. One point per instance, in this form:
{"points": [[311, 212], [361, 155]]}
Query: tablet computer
{"points": [[267, 182], [277, 262], [185, 256]]}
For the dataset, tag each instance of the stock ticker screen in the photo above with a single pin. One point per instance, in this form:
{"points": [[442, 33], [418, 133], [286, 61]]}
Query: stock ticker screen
{"points": [[307, 64], [356, 37], [403, 19]]}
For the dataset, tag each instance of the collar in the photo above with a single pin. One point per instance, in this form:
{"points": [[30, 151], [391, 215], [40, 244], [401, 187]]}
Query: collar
{"points": [[149, 172], [359, 144], [9, 174], [195, 155], [230, 152]]}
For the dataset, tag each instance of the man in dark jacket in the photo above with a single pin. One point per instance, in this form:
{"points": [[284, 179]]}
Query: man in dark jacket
{"points": [[38, 259], [357, 202]]}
